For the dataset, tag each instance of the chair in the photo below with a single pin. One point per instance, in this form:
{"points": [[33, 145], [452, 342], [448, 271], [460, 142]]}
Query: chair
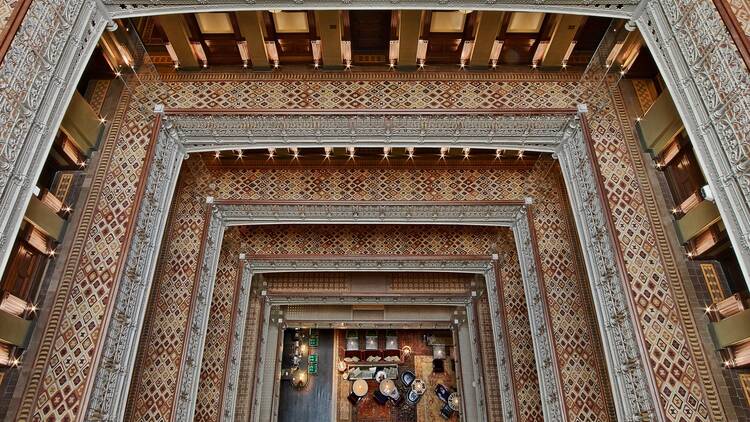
{"points": [[442, 392], [407, 378], [412, 398], [380, 397], [446, 412], [438, 366], [353, 398]]}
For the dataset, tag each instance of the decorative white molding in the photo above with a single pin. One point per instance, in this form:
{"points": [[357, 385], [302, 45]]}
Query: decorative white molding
{"points": [[253, 267], [709, 84], [238, 336], [132, 8], [354, 213], [114, 387], [549, 381], [37, 78], [110, 391], [201, 132], [502, 352], [634, 393]]}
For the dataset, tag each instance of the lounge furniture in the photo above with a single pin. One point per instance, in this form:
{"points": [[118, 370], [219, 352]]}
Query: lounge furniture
{"points": [[380, 397], [353, 398], [397, 400], [446, 412], [442, 392], [407, 378], [412, 397]]}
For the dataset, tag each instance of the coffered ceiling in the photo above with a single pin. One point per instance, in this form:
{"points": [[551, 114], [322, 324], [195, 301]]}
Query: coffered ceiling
{"points": [[371, 38]]}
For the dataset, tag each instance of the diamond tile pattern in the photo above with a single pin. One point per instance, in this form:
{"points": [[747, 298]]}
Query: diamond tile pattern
{"points": [[381, 183], [516, 317], [65, 361], [656, 287]]}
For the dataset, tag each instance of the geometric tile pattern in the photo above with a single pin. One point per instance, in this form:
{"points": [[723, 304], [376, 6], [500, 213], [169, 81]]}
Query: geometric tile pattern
{"points": [[430, 282], [65, 361], [645, 91], [713, 283], [741, 11], [170, 306], [573, 338], [66, 351], [211, 385], [515, 315], [678, 361], [368, 90], [377, 184], [489, 362]]}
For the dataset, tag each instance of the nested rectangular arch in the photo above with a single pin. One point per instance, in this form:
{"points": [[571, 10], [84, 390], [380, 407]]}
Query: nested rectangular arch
{"points": [[254, 265], [633, 390]]}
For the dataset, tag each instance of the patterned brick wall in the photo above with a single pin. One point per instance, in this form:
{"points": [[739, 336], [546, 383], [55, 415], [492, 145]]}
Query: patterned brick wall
{"points": [[492, 383], [74, 333], [383, 183], [678, 361], [515, 315], [211, 385]]}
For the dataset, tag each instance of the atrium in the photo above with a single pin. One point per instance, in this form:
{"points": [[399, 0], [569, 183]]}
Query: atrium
{"points": [[383, 210]]}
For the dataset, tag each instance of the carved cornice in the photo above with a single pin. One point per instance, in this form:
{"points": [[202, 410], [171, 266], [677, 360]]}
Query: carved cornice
{"points": [[207, 132], [611, 8]]}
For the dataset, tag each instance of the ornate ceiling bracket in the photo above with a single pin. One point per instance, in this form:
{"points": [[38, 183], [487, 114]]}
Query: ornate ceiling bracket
{"points": [[37, 77], [131, 8], [709, 83], [633, 392]]}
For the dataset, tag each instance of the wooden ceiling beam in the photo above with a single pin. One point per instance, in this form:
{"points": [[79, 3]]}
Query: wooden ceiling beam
{"points": [[409, 30], [250, 27], [177, 33], [563, 34], [329, 29], [487, 30]]}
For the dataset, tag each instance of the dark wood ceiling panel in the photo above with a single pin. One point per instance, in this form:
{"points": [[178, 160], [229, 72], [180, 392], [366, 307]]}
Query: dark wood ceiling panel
{"points": [[370, 30]]}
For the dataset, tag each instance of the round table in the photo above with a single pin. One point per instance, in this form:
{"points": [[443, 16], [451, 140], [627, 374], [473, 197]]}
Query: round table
{"points": [[419, 386], [388, 387], [454, 401], [360, 387]]}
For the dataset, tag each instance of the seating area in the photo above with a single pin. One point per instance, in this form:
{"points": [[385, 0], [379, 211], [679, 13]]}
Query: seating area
{"points": [[417, 384]]}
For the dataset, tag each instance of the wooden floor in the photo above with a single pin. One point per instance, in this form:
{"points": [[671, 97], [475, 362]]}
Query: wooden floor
{"points": [[313, 402]]}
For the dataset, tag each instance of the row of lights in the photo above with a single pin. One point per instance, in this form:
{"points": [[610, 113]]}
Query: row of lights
{"points": [[351, 153]]}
